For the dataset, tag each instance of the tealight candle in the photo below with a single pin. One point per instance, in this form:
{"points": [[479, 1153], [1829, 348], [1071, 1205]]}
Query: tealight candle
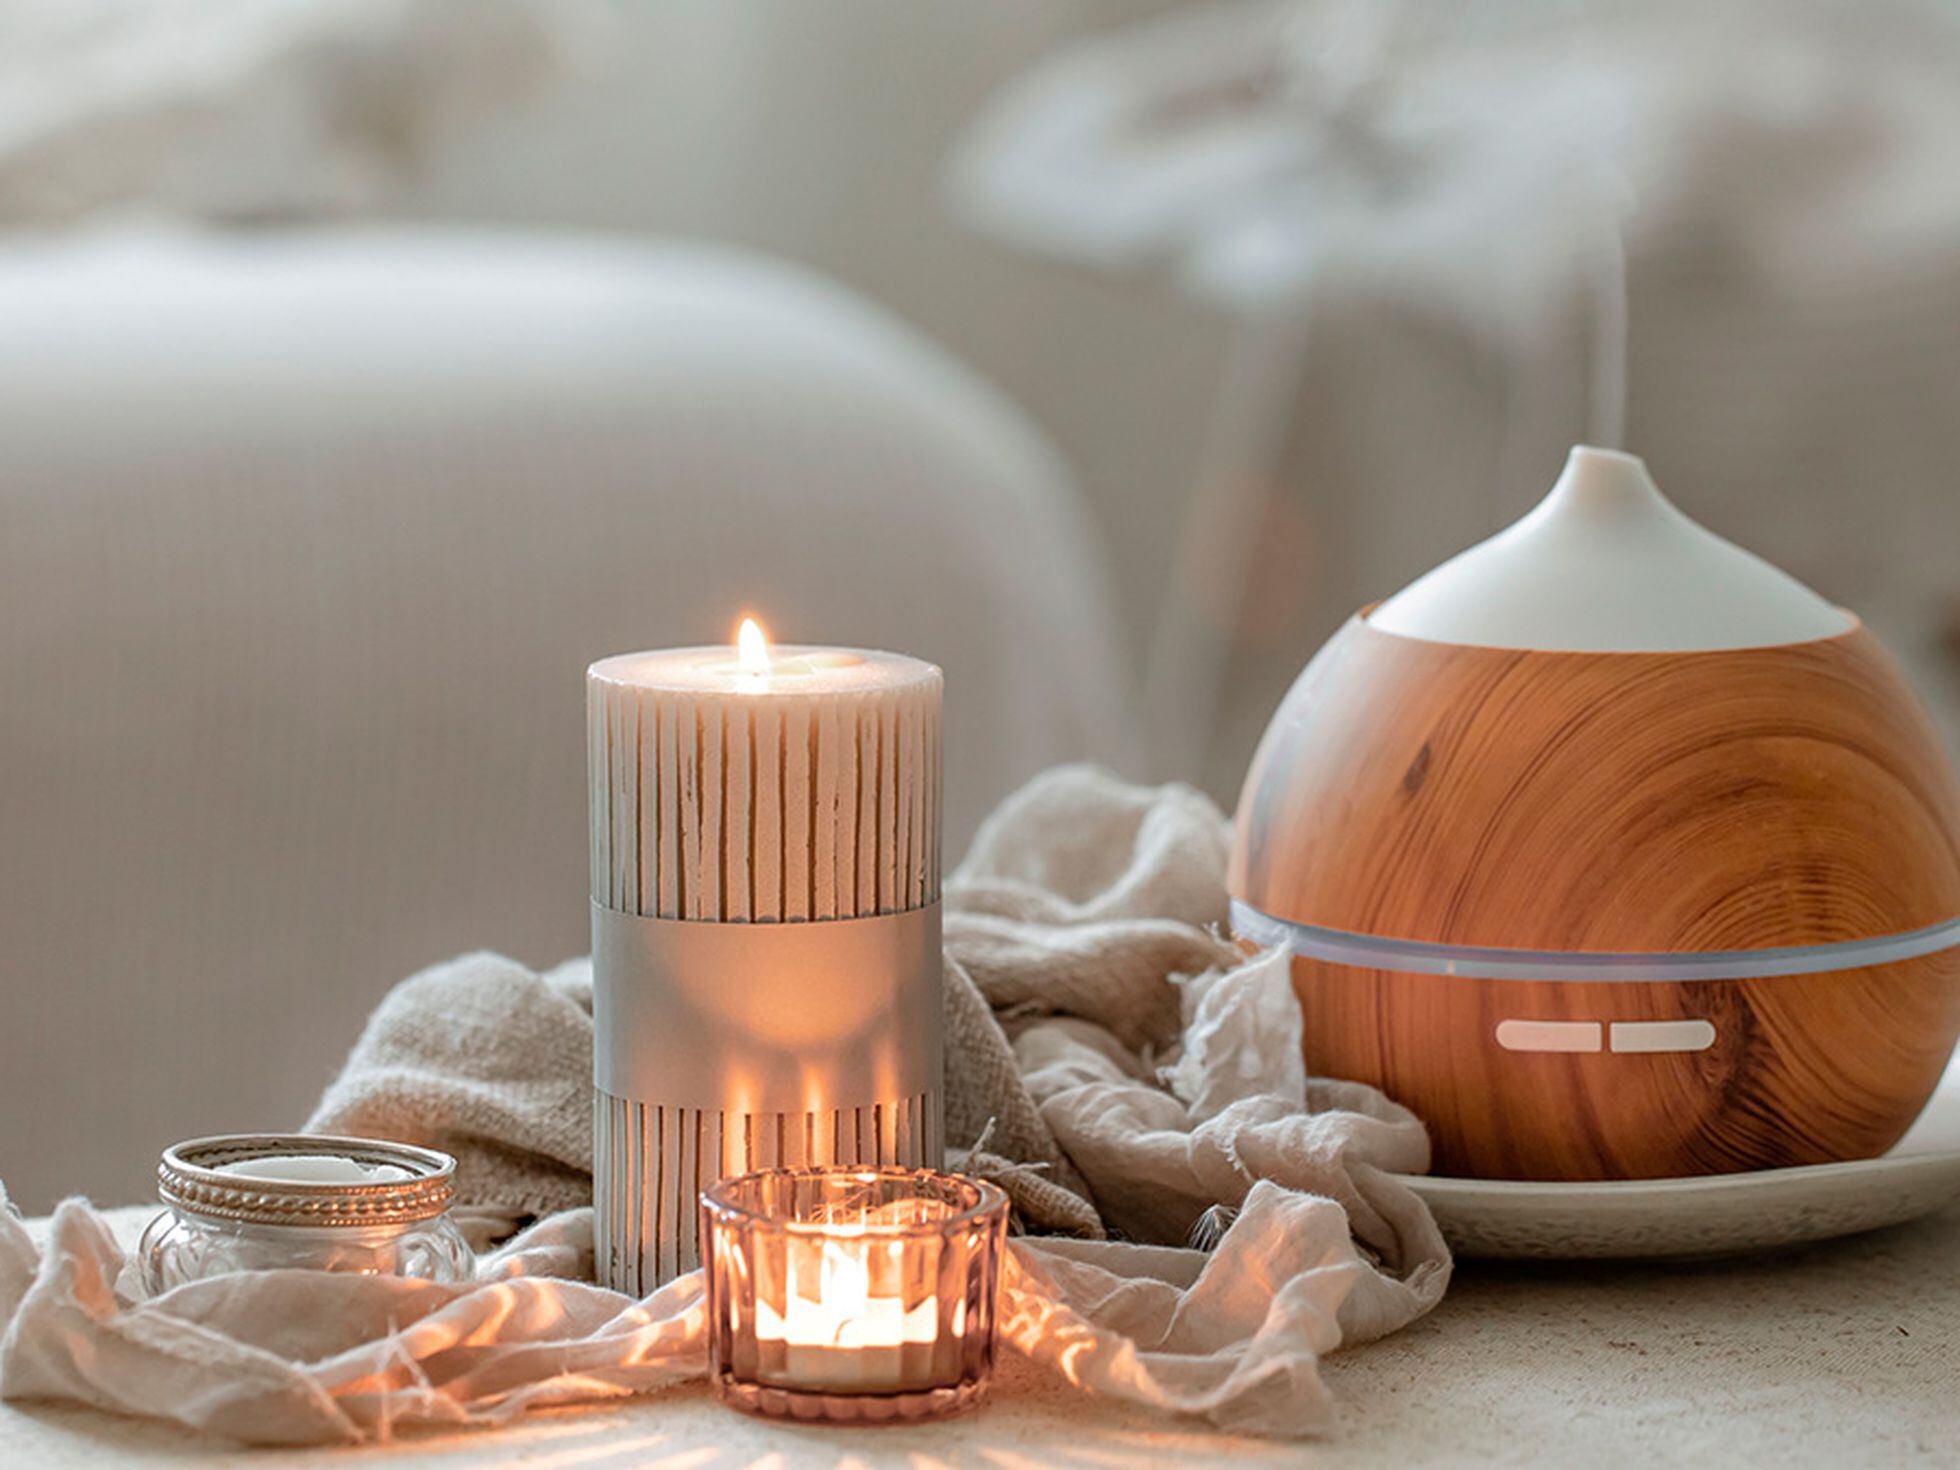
{"points": [[765, 927], [852, 1294], [837, 1331]]}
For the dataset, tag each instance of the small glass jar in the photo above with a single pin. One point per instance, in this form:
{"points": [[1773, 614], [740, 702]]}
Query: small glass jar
{"points": [[852, 1294], [260, 1202]]}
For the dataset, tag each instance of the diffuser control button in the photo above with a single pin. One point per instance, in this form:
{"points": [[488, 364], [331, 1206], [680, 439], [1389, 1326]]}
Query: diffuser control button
{"points": [[1663, 1035], [1548, 1035]]}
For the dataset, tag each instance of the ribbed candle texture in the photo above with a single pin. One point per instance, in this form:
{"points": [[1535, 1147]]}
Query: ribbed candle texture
{"points": [[791, 801]]}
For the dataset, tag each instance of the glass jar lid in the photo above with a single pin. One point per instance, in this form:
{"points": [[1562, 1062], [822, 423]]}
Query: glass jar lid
{"points": [[334, 1182]]}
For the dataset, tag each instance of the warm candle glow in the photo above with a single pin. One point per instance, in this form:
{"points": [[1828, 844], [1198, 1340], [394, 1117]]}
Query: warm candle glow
{"points": [[752, 648], [840, 1309]]}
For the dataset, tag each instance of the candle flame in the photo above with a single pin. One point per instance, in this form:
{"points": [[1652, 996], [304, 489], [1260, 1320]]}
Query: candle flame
{"points": [[752, 647]]}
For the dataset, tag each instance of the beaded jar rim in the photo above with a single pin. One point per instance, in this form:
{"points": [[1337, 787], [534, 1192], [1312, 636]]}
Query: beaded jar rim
{"points": [[191, 1177]]}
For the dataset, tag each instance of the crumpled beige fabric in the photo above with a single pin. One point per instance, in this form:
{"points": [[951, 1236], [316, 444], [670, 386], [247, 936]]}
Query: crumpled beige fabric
{"points": [[1163, 1062], [1119, 1065], [317, 1357], [308, 1357]]}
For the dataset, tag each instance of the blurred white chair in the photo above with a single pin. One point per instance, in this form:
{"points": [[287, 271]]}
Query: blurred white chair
{"points": [[305, 542]]}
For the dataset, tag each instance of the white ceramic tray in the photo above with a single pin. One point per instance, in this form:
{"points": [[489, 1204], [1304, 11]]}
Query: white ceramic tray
{"points": [[1716, 1214]]}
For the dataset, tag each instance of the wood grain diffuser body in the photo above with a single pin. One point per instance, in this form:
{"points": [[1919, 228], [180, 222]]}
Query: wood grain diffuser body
{"points": [[1613, 852], [765, 929]]}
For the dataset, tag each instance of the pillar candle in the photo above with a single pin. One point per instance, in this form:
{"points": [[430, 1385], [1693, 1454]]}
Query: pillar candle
{"points": [[765, 886]]}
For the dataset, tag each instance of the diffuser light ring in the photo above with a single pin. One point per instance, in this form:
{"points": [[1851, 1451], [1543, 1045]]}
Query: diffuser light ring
{"points": [[1474, 962]]}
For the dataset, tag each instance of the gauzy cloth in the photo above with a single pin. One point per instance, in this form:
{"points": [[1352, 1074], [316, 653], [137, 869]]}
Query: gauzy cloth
{"points": [[1119, 1066]]}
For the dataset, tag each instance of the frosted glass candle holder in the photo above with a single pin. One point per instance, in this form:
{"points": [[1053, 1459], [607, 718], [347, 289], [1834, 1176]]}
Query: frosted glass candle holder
{"points": [[851, 1294]]}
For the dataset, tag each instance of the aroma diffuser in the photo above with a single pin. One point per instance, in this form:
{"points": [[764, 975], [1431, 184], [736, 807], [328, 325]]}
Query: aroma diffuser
{"points": [[1613, 852]]}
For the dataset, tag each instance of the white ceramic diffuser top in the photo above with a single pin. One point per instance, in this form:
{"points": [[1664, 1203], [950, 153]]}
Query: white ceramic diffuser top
{"points": [[1606, 564]]}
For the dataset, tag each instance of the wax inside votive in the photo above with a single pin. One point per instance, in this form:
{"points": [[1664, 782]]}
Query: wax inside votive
{"points": [[315, 1169]]}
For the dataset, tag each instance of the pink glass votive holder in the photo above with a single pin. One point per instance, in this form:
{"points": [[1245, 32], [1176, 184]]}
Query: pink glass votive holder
{"points": [[852, 1294]]}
